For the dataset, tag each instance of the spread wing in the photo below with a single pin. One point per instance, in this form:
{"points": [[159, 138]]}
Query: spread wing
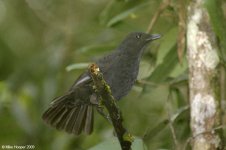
{"points": [[73, 112]]}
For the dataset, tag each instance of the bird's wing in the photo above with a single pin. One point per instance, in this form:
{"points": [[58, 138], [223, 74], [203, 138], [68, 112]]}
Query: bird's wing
{"points": [[73, 112], [82, 80], [105, 64]]}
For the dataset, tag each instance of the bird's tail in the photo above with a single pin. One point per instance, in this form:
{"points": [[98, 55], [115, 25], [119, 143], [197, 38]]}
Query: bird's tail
{"points": [[70, 115]]}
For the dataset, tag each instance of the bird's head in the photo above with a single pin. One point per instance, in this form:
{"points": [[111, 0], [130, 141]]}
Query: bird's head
{"points": [[136, 41]]}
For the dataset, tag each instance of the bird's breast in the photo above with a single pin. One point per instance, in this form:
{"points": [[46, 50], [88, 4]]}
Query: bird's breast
{"points": [[121, 77]]}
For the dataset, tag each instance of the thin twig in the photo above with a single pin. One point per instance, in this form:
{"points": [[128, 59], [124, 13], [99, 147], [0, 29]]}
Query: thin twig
{"points": [[182, 30], [104, 91], [164, 4], [145, 82], [150, 133], [222, 99], [170, 121]]}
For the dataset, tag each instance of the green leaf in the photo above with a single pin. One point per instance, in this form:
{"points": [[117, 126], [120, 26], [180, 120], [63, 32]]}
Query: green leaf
{"points": [[179, 68], [7, 59], [96, 48], [21, 115], [113, 144], [163, 70], [151, 133], [145, 70], [218, 22], [106, 12], [125, 14], [182, 79], [77, 66], [179, 112], [167, 42], [5, 94]]}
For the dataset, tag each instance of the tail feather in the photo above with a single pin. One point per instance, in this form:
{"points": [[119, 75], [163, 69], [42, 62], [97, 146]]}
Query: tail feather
{"points": [[68, 116], [59, 117], [61, 124], [88, 128], [50, 114], [60, 100], [56, 116], [79, 124], [71, 120]]}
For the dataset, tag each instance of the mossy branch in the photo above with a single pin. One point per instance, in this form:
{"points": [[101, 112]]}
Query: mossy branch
{"points": [[104, 91]]}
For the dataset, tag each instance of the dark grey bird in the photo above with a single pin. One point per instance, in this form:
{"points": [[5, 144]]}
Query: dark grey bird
{"points": [[73, 112]]}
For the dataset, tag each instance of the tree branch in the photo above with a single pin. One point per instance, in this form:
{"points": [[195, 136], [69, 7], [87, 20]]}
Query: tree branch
{"points": [[104, 91]]}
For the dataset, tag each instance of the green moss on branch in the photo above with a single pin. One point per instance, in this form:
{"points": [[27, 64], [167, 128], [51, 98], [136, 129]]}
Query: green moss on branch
{"points": [[103, 90]]}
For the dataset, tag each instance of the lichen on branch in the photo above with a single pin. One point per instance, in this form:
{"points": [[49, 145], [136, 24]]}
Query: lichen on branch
{"points": [[203, 76], [103, 90]]}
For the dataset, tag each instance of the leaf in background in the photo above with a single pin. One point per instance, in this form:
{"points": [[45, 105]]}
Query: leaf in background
{"points": [[151, 133], [113, 144], [163, 70], [218, 22], [105, 13], [77, 66], [125, 14], [7, 60], [179, 112], [180, 68], [22, 117], [97, 48], [166, 58], [60, 142], [145, 69], [5, 94], [179, 98], [167, 42], [182, 79]]}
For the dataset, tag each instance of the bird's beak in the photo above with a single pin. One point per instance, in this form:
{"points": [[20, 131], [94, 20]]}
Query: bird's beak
{"points": [[153, 37]]}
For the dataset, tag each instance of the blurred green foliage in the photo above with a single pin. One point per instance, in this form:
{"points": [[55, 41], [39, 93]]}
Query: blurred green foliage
{"points": [[40, 39]]}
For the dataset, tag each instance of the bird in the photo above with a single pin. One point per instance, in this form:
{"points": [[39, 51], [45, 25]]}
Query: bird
{"points": [[74, 111]]}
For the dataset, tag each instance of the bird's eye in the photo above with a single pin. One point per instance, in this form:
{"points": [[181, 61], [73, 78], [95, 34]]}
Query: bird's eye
{"points": [[138, 36]]}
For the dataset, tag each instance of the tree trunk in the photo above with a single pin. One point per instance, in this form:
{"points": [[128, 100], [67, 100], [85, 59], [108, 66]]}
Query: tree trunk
{"points": [[203, 78]]}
